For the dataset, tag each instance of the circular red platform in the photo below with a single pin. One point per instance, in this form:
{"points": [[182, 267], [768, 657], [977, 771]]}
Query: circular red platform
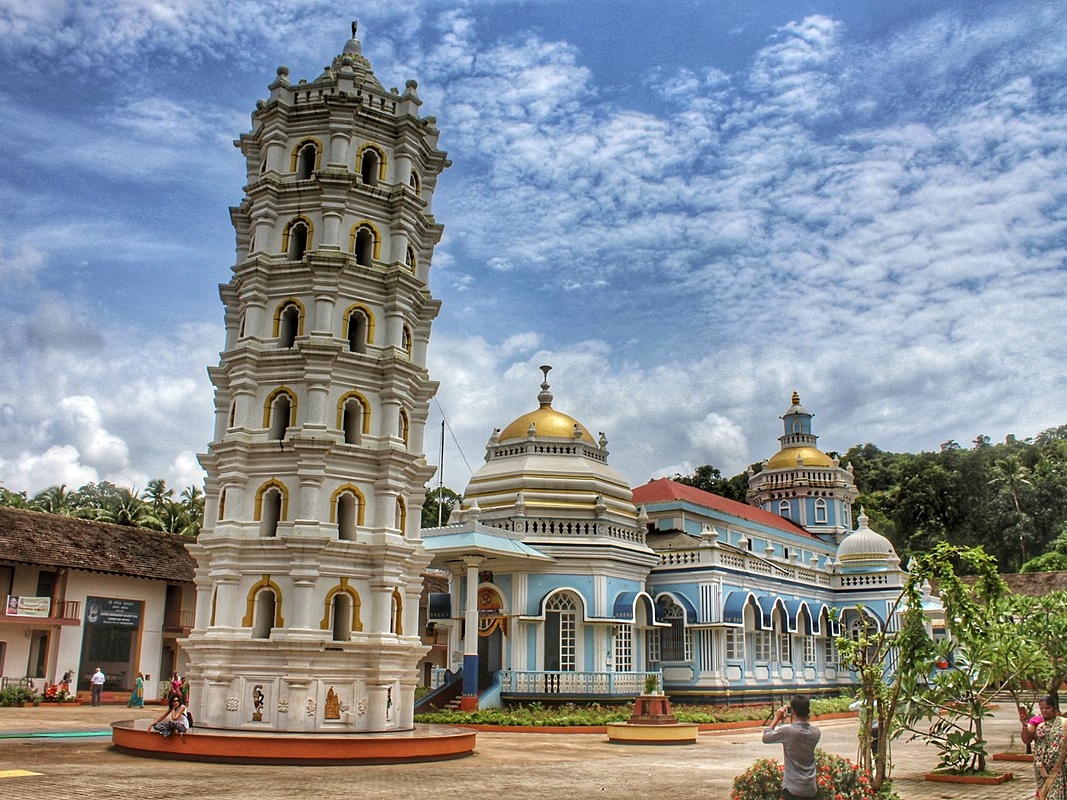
{"points": [[424, 743]]}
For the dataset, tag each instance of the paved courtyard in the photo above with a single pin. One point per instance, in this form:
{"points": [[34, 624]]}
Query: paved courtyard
{"points": [[557, 766]]}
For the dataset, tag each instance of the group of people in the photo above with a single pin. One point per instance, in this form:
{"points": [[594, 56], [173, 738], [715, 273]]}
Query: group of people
{"points": [[176, 719], [1046, 731]]}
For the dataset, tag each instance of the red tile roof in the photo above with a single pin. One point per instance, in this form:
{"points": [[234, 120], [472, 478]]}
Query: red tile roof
{"points": [[664, 490], [30, 537]]}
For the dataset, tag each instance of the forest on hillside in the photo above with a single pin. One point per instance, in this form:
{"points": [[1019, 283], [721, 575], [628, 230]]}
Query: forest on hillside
{"points": [[1009, 497]]}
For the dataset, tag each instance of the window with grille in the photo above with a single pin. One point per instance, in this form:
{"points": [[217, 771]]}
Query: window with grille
{"points": [[762, 645], [735, 644], [785, 648], [829, 651], [809, 649], [676, 644], [653, 646], [624, 648], [562, 621]]}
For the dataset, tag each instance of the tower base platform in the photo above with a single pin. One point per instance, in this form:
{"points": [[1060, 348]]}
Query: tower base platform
{"points": [[636, 733], [424, 743]]}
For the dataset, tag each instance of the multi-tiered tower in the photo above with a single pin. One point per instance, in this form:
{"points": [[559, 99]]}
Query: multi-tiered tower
{"points": [[309, 563]]}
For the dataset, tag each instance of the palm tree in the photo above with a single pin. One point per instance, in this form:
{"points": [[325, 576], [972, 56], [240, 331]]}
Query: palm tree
{"points": [[55, 500], [157, 493], [1013, 475], [126, 507]]}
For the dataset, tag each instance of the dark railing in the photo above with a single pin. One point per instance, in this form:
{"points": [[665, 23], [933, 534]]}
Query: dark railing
{"points": [[178, 620]]}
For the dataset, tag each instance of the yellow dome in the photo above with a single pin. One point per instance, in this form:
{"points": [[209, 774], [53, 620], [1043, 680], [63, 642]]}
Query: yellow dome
{"points": [[811, 456], [548, 422]]}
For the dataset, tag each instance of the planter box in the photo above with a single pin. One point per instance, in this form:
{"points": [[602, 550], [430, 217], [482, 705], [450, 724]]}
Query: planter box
{"points": [[1026, 757], [976, 780]]}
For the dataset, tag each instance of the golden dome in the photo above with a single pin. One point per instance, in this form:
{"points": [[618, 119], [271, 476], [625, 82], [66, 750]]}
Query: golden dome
{"points": [[548, 422], [810, 456]]}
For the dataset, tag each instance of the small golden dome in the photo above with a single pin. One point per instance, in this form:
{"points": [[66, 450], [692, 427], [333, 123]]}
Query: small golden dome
{"points": [[810, 456], [547, 422]]}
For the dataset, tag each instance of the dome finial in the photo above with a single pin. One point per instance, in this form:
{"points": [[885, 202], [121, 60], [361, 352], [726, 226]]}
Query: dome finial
{"points": [[796, 398], [545, 396], [355, 24]]}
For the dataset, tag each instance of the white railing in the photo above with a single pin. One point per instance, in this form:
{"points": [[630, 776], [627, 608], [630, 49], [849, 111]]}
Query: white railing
{"points": [[583, 683]]}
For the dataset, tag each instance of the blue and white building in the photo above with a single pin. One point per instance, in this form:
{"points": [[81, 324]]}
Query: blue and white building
{"points": [[578, 586]]}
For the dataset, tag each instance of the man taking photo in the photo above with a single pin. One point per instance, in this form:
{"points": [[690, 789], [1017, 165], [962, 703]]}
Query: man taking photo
{"points": [[798, 740]]}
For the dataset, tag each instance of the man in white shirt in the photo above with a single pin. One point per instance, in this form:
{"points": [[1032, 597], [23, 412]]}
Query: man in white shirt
{"points": [[96, 684], [798, 741]]}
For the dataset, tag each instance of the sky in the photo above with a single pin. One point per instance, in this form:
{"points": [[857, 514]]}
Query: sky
{"points": [[688, 209]]}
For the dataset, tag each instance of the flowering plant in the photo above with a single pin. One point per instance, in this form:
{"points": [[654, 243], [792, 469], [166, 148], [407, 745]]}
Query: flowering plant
{"points": [[836, 778]]}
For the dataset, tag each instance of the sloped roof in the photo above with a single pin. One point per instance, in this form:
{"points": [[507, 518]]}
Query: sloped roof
{"points": [[664, 490], [31, 537]]}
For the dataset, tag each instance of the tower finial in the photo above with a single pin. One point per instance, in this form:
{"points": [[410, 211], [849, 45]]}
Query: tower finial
{"points": [[545, 396], [355, 24], [796, 398]]}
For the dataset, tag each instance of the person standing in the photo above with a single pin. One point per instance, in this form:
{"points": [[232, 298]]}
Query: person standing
{"points": [[1046, 732], [96, 686], [137, 695], [798, 740]]}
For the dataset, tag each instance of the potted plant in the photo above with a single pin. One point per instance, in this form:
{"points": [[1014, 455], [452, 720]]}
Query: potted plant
{"points": [[651, 683]]}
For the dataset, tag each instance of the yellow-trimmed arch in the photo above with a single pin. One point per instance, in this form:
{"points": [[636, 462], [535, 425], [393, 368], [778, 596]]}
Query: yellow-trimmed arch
{"points": [[284, 304], [250, 602], [407, 339], [404, 426], [348, 487], [381, 160], [362, 401], [415, 182], [342, 587], [295, 158], [270, 401], [375, 233], [410, 259], [274, 483], [289, 226], [366, 313], [401, 514]]}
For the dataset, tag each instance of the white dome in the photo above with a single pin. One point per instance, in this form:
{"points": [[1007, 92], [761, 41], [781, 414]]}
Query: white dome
{"points": [[865, 545]]}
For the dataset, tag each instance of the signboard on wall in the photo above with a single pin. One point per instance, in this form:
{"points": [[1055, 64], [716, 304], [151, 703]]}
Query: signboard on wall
{"points": [[112, 611], [23, 606]]}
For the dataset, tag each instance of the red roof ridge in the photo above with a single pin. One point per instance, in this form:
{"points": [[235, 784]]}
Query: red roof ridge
{"points": [[663, 489]]}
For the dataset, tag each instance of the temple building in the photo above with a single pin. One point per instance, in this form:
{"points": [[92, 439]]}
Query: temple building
{"points": [[309, 564], [568, 585]]}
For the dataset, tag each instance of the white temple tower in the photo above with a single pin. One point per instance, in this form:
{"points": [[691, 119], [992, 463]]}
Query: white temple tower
{"points": [[309, 563]]}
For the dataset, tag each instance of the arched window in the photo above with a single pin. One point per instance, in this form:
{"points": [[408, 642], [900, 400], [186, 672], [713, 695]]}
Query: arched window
{"points": [[348, 505], [342, 617], [353, 417], [360, 329], [288, 325], [271, 507], [820, 510], [266, 609], [414, 182], [263, 608], [371, 165], [296, 239], [279, 413], [222, 505], [401, 515], [403, 428], [405, 340], [785, 638], [783, 508], [306, 158], [307, 161], [365, 244], [233, 414], [673, 640], [397, 616], [561, 633], [409, 258]]}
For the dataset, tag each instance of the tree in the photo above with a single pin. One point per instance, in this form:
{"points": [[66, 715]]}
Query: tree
{"points": [[127, 508], [984, 652], [1043, 622], [157, 494], [438, 506], [710, 479], [1014, 477], [55, 500]]}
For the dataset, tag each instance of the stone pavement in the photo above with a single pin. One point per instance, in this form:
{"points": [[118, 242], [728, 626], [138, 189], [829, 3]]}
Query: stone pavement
{"points": [[504, 766]]}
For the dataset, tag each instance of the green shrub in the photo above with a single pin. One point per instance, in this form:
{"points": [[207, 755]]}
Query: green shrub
{"points": [[17, 695], [836, 778]]}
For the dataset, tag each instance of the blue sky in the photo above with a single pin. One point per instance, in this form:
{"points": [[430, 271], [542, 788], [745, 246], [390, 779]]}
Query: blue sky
{"points": [[689, 209]]}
